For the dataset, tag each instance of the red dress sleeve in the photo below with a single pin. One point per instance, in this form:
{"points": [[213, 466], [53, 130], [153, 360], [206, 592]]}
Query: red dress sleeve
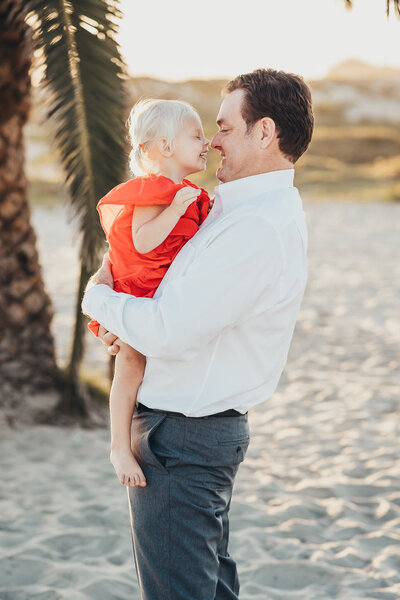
{"points": [[148, 190]]}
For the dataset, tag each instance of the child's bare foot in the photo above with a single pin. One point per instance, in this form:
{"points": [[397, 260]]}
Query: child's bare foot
{"points": [[127, 468]]}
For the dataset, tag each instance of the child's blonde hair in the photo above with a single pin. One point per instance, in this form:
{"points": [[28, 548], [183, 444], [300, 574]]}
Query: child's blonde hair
{"points": [[150, 120]]}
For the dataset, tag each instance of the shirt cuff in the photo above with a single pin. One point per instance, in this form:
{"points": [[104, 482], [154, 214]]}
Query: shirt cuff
{"points": [[93, 299]]}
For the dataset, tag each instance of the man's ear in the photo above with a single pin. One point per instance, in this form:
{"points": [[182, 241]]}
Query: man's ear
{"points": [[267, 131], [164, 148]]}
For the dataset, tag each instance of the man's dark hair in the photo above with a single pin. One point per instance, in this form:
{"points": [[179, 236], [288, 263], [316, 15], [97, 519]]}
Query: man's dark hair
{"points": [[286, 99]]}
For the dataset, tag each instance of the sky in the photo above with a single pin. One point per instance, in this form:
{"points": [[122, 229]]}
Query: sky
{"points": [[186, 39]]}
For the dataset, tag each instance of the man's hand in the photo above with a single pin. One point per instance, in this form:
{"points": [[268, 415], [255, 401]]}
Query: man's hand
{"points": [[108, 340], [104, 274]]}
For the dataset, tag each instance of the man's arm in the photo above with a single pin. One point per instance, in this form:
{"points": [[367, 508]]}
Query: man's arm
{"points": [[219, 288]]}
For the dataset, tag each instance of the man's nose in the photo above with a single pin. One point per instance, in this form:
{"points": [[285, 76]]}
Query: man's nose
{"points": [[214, 141]]}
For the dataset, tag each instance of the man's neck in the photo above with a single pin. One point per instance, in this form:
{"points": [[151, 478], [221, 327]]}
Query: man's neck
{"points": [[278, 165]]}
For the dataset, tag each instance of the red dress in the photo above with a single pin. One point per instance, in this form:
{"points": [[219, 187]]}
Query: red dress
{"points": [[135, 273]]}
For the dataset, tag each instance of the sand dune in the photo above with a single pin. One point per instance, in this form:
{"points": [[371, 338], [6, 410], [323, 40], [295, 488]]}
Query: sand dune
{"points": [[316, 508]]}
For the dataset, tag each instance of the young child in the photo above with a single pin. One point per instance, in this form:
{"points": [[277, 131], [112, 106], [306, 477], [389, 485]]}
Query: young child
{"points": [[147, 220]]}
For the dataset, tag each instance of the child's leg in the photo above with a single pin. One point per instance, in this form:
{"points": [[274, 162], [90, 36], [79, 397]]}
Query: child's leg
{"points": [[129, 370]]}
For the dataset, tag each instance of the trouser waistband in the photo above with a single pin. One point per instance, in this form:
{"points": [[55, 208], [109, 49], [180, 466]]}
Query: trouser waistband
{"points": [[230, 412]]}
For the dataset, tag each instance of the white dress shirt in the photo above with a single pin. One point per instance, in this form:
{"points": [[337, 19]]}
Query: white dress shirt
{"points": [[217, 331]]}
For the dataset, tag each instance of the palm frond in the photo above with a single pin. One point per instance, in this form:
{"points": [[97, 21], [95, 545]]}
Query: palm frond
{"points": [[84, 75], [396, 6]]}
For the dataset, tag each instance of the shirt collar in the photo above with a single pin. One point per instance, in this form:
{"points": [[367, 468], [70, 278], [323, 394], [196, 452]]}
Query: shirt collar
{"points": [[234, 192]]}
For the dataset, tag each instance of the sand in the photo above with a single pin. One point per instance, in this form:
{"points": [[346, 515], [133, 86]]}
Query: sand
{"points": [[316, 508]]}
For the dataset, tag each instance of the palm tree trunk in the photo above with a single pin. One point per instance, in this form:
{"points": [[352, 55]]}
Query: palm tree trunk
{"points": [[27, 354]]}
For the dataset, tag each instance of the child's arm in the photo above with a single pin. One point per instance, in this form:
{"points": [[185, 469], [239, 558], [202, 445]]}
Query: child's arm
{"points": [[152, 224]]}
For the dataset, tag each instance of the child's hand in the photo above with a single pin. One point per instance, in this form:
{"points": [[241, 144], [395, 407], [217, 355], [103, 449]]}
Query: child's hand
{"points": [[183, 198], [127, 468]]}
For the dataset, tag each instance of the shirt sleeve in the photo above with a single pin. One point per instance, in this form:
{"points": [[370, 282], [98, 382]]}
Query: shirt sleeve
{"points": [[236, 274]]}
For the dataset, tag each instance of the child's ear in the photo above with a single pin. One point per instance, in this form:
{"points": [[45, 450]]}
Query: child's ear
{"points": [[164, 148]]}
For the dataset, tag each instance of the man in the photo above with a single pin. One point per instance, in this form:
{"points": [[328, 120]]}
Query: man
{"points": [[216, 336]]}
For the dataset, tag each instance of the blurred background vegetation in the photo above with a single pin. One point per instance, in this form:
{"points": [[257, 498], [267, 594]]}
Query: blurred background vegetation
{"points": [[355, 152]]}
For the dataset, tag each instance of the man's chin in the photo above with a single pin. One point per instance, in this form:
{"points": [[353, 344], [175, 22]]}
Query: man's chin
{"points": [[221, 175]]}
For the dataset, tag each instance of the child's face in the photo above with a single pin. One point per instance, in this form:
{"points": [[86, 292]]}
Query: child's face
{"points": [[191, 147]]}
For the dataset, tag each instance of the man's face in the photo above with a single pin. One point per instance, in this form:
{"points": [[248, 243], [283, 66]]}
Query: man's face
{"points": [[237, 148]]}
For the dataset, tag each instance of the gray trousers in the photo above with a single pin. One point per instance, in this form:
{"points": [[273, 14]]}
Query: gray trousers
{"points": [[179, 521]]}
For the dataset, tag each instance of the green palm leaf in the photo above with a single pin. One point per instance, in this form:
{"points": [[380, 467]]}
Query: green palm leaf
{"points": [[84, 75], [396, 6]]}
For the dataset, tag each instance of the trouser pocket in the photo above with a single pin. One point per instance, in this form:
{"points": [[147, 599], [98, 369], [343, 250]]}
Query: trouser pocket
{"points": [[144, 426]]}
